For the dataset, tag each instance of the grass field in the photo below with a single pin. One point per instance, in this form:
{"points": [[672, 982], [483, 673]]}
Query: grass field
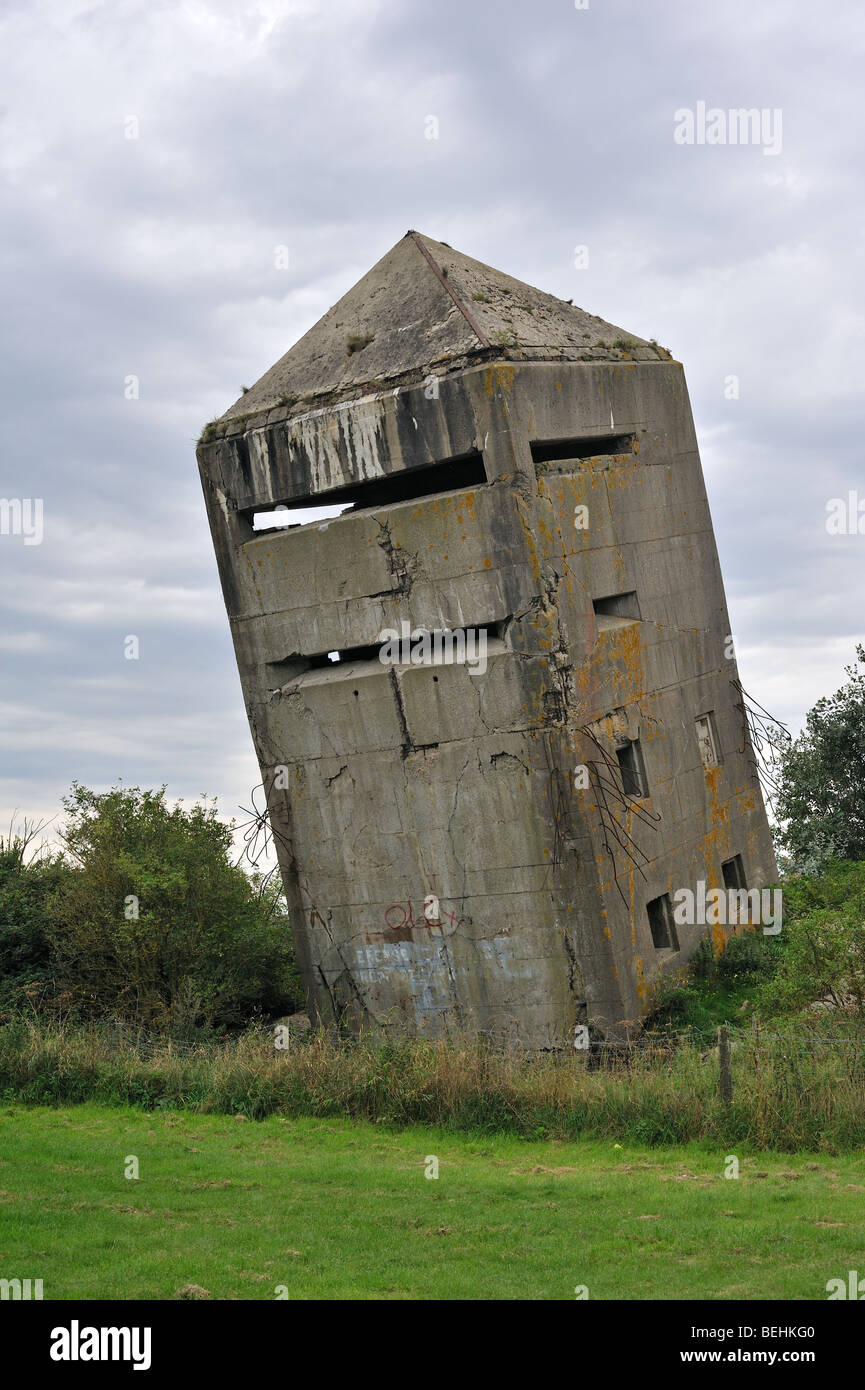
{"points": [[342, 1209]]}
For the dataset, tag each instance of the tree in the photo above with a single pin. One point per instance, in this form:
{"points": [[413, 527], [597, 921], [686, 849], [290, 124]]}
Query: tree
{"points": [[821, 953], [155, 925], [29, 877], [821, 803]]}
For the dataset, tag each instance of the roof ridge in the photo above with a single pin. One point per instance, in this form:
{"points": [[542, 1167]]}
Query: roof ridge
{"points": [[443, 281], [403, 315]]}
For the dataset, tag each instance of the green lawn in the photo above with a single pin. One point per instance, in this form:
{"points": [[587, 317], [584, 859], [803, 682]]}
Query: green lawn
{"points": [[339, 1209]]}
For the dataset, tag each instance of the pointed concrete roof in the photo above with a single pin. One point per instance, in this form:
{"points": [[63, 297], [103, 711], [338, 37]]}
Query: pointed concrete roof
{"points": [[425, 307]]}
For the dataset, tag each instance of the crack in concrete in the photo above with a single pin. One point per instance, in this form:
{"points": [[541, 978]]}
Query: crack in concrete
{"points": [[407, 746], [495, 759], [402, 566], [460, 866]]}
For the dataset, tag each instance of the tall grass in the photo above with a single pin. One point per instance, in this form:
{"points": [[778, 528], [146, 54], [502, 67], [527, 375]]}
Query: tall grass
{"points": [[789, 1094]]}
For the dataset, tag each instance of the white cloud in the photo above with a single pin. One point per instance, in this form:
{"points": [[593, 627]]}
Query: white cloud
{"points": [[302, 124]]}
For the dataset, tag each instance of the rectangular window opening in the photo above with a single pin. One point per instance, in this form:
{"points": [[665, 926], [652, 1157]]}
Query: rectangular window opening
{"points": [[348, 654], [630, 758], [618, 605], [407, 650], [733, 872], [408, 484], [284, 518], [661, 924], [580, 447], [707, 739]]}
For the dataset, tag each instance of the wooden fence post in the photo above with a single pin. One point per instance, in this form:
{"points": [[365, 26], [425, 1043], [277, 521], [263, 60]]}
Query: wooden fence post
{"points": [[725, 1065]]}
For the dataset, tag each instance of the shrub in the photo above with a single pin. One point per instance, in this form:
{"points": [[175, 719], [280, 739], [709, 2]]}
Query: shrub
{"points": [[714, 987], [27, 884], [154, 925], [823, 936]]}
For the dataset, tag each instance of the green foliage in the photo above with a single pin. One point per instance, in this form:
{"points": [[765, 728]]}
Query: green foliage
{"points": [[822, 800], [822, 943], [800, 1088], [154, 925], [716, 988], [749, 957], [27, 883]]}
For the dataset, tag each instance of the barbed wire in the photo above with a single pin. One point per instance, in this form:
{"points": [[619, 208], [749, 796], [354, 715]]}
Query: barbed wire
{"points": [[707, 1038], [259, 838], [769, 738], [606, 776]]}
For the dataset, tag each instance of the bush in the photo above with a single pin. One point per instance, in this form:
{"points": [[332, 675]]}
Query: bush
{"points": [[823, 935], [155, 926], [713, 988], [27, 884], [749, 957]]}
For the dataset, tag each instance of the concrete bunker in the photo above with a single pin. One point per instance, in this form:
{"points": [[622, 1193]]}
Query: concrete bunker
{"points": [[492, 845]]}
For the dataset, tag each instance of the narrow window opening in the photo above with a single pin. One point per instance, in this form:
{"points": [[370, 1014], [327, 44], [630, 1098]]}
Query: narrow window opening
{"points": [[417, 647], [733, 871], [633, 771], [340, 658], [618, 605], [707, 739], [661, 923], [581, 447], [450, 475], [282, 518]]}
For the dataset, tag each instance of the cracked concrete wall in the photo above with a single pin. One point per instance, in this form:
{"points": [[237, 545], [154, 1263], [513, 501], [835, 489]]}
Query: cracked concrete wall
{"points": [[390, 784]]}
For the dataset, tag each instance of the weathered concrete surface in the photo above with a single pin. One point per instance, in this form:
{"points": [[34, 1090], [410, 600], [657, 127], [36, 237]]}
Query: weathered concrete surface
{"points": [[389, 784], [425, 307]]}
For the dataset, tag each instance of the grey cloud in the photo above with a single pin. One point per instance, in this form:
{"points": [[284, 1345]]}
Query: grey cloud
{"points": [[294, 123]]}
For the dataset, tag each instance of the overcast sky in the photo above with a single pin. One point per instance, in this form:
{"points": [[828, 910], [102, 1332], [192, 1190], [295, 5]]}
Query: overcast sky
{"points": [[305, 124]]}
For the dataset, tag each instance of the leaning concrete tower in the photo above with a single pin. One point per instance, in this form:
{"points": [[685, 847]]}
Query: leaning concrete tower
{"points": [[482, 843]]}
